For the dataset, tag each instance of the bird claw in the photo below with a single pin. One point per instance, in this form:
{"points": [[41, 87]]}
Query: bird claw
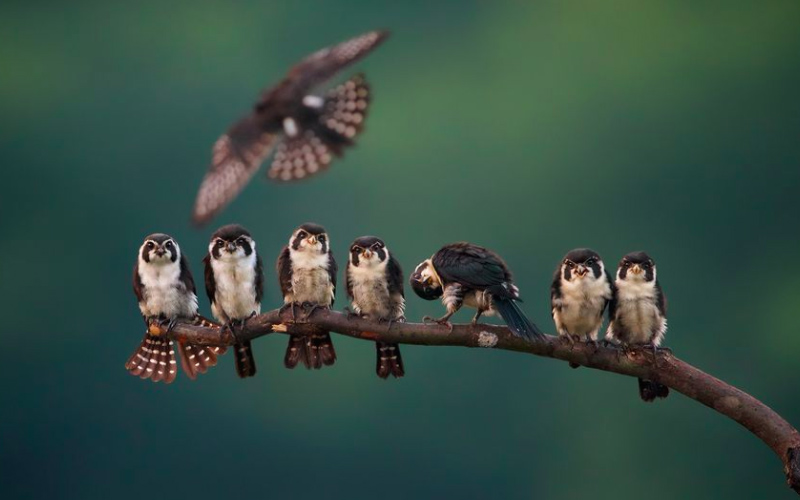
{"points": [[350, 313], [439, 321], [289, 305]]}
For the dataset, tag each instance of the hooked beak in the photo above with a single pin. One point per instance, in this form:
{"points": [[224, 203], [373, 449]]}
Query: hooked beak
{"points": [[160, 251], [636, 269], [231, 247], [581, 271], [311, 240], [367, 254]]}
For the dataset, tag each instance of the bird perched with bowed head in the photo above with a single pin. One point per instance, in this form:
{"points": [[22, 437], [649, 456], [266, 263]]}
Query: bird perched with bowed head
{"points": [[467, 274]]}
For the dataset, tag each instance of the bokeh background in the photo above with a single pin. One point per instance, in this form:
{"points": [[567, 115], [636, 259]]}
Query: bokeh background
{"points": [[531, 128]]}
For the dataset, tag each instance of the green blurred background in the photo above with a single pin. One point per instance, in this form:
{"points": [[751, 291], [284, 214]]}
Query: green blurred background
{"points": [[531, 128]]}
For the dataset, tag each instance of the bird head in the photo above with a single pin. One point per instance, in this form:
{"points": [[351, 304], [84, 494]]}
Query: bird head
{"points": [[159, 249], [311, 238], [368, 252], [426, 282], [231, 243], [637, 266]]}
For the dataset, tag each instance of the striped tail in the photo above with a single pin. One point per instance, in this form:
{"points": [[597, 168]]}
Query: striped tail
{"points": [[245, 362], [154, 359], [650, 390], [315, 351], [517, 322], [390, 362], [198, 358]]}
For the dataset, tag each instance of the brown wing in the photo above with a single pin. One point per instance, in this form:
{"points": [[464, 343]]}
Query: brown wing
{"points": [[236, 157], [322, 65]]}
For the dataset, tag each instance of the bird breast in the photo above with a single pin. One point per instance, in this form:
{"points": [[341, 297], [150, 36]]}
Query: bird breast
{"points": [[637, 320], [164, 293], [370, 290], [581, 305], [235, 295]]}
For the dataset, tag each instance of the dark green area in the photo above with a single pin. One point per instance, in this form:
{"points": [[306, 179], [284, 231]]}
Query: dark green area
{"points": [[531, 128]]}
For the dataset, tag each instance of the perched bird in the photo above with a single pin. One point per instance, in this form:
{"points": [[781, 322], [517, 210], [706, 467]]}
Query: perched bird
{"points": [[307, 276], [235, 285], [306, 129], [638, 313], [375, 287], [579, 294], [165, 289], [466, 274]]}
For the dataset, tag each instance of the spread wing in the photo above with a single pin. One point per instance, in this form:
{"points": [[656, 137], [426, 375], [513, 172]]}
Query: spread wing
{"points": [[322, 65], [470, 265], [284, 271], [236, 157]]}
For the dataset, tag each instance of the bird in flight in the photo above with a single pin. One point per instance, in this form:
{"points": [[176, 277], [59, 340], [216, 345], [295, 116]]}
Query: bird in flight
{"points": [[305, 131]]}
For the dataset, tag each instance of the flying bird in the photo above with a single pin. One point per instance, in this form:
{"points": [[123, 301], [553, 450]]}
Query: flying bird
{"points": [[638, 313], [467, 274], [166, 293], [305, 130], [307, 276], [375, 287], [235, 285]]}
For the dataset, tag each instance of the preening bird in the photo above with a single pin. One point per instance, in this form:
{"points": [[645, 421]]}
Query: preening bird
{"points": [[306, 130], [466, 274], [307, 276], [375, 287], [579, 294], [166, 293], [638, 312], [235, 285]]}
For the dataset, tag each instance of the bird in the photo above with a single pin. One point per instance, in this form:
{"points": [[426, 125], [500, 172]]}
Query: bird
{"points": [[164, 287], [467, 274], [579, 294], [235, 286], [375, 288], [638, 313], [307, 277], [305, 130]]}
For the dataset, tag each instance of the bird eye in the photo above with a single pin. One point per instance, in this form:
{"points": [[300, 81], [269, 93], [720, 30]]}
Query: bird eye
{"points": [[220, 243], [321, 238], [357, 249], [241, 241], [589, 262], [150, 245], [301, 234], [169, 244]]}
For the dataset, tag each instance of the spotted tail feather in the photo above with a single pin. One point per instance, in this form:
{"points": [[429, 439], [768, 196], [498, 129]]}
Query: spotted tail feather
{"points": [[245, 361], [295, 352], [320, 350], [197, 358], [390, 362], [650, 390], [153, 359]]}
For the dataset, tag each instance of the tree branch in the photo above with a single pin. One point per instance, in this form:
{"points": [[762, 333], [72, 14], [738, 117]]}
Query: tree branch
{"points": [[737, 405]]}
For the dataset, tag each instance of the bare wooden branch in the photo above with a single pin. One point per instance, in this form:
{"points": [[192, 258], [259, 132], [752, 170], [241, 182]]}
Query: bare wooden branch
{"points": [[751, 413]]}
